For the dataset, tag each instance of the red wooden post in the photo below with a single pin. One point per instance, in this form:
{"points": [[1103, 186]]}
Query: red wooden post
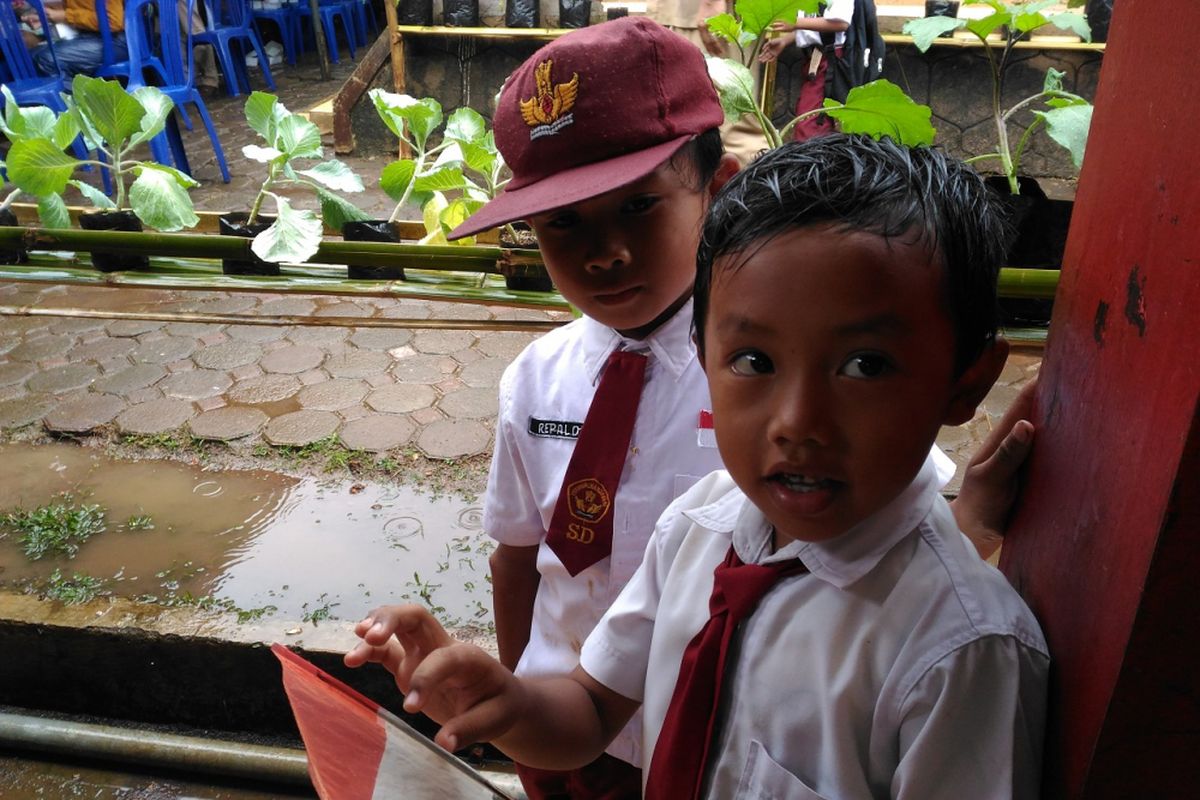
{"points": [[1106, 544]]}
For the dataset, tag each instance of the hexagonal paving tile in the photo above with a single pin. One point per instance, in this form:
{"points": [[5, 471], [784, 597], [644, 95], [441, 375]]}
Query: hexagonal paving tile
{"points": [[401, 398], [381, 338], [63, 379], [21, 411], [15, 372], [292, 360], [102, 349], [155, 416], [301, 427], [470, 403], [442, 341], [42, 347], [287, 307], [227, 355], [255, 333], [139, 376], [453, 438], [231, 422], [164, 349], [333, 395], [376, 433], [84, 414], [418, 368], [132, 327], [503, 344], [314, 336], [264, 389], [357, 364], [73, 326], [195, 384], [342, 309], [484, 373]]}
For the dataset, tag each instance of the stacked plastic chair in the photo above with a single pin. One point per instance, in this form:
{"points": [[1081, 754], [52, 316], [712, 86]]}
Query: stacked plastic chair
{"points": [[287, 19], [229, 22], [180, 84], [331, 11]]}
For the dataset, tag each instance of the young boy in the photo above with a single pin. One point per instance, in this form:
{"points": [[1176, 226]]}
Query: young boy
{"points": [[611, 135], [853, 645]]}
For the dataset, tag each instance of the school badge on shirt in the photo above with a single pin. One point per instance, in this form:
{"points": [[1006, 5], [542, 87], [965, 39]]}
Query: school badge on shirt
{"points": [[588, 500], [705, 435], [549, 110]]}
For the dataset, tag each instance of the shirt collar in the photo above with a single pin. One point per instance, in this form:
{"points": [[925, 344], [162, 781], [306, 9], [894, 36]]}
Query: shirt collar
{"points": [[671, 344], [840, 561]]}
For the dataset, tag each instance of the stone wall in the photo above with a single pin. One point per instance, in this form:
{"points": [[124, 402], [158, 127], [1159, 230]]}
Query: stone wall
{"points": [[954, 81]]}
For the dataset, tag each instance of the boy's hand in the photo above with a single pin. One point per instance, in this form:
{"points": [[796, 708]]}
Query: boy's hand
{"points": [[772, 48], [782, 27], [990, 485], [469, 692]]}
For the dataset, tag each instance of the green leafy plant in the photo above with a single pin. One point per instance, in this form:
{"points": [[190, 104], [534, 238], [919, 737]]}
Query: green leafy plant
{"points": [[879, 108], [79, 588], [114, 123], [465, 162], [36, 123], [1066, 117], [295, 234], [57, 528]]}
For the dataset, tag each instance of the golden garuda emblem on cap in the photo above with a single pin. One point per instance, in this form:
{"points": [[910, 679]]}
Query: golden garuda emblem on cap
{"points": [[548, 111]]}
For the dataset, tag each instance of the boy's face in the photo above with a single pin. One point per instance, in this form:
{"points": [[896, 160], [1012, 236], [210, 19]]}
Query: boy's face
{"points": [[830, 361], [627, 257]]}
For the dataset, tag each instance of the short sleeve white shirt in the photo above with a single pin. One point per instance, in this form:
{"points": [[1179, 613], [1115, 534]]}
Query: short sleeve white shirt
{"points": [[544, 397], [835, 9], [900, 666]]}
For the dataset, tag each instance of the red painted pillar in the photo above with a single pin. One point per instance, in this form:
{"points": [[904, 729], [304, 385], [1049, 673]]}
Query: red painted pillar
{"points": [[1106, 544]]}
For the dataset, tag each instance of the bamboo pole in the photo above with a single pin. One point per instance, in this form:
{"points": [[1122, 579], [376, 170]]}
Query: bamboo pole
{"points": [[522, 326]]}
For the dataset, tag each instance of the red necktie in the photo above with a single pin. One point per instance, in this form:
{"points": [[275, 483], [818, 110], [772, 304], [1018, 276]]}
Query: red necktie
{"points": [[581, 529], [681, 754]]}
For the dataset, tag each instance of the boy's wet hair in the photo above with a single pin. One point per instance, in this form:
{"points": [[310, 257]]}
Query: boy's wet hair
{"points": [[697, 161], [858, 184]]}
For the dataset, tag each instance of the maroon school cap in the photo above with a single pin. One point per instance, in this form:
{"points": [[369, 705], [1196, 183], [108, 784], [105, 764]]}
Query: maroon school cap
{"points": [[596, 109]]}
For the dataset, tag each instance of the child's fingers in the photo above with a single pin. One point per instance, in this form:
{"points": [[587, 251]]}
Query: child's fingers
{"points": [[404, 620], [1021, 409], [389, 654], [483, 722]]}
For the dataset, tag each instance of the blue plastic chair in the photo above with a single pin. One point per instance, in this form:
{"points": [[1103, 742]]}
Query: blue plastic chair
{"points": [[27, 86], [287, 20], [229, 21], [180, 84], [112, 68], [331, 11], [364, 18]]}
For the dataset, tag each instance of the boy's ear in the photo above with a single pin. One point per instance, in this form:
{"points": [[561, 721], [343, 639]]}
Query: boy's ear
{"points": [[974, 384], [725, 170]]}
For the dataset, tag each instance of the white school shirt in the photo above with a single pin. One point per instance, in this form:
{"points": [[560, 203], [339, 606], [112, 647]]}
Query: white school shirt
{"points": [[544, 396], [835, 9], [901, 666]]}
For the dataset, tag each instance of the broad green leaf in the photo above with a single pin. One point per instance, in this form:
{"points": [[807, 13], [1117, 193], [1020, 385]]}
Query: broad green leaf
{"points": [[431, 216], [455, 214], [11, 118], [182, 178], [39, 167], [335, 175], [66, 128], [97, 198], [261, 116], [294, 236], [881, 108], [1064, 99], [1053, 82], [729, 28], [160, 201], [1027, 21], [396, 177], [336, 211], [735, 86], [481, 158], [39, 121], [1076, 23], [264, 154], [984, 26], [158, 107], [299, 138], [113, 112], [998, 5], [926, 29], [1069, 127], [442, 180], [1031, 7], [401, 112], [91, 136], [466, 125], [757, 15], [52, 211]]}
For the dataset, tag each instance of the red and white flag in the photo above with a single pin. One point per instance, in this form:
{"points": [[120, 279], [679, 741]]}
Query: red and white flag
{"points": [[360, 751]]}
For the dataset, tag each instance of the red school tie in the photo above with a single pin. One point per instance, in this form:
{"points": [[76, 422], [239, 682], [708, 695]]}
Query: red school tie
{"points": [[581, 529], [681, 754]]}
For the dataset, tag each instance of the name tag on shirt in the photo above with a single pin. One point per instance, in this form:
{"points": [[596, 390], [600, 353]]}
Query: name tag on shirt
{"points": [[554, 428], [705, 435]]}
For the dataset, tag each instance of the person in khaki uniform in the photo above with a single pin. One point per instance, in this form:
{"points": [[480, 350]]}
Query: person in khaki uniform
{"points": [[742, 137]]}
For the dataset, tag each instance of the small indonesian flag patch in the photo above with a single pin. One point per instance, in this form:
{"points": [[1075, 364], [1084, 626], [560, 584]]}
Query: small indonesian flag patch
{"points": [[705, 435], [360, 751]]}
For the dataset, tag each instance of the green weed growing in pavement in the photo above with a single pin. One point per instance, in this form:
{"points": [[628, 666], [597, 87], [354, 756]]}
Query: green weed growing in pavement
{"points": [[139, 522], [57, 528], [319, 613], [79, 588]]}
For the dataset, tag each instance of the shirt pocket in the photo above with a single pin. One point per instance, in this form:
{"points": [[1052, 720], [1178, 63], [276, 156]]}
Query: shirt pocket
{"points": [[764, 779]]}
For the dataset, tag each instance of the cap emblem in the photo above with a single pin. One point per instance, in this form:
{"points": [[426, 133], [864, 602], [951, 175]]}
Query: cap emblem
{"points": [[549, 110]]}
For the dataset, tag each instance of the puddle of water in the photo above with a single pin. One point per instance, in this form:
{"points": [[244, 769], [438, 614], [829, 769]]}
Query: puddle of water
{"points": [[253, 539]]}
